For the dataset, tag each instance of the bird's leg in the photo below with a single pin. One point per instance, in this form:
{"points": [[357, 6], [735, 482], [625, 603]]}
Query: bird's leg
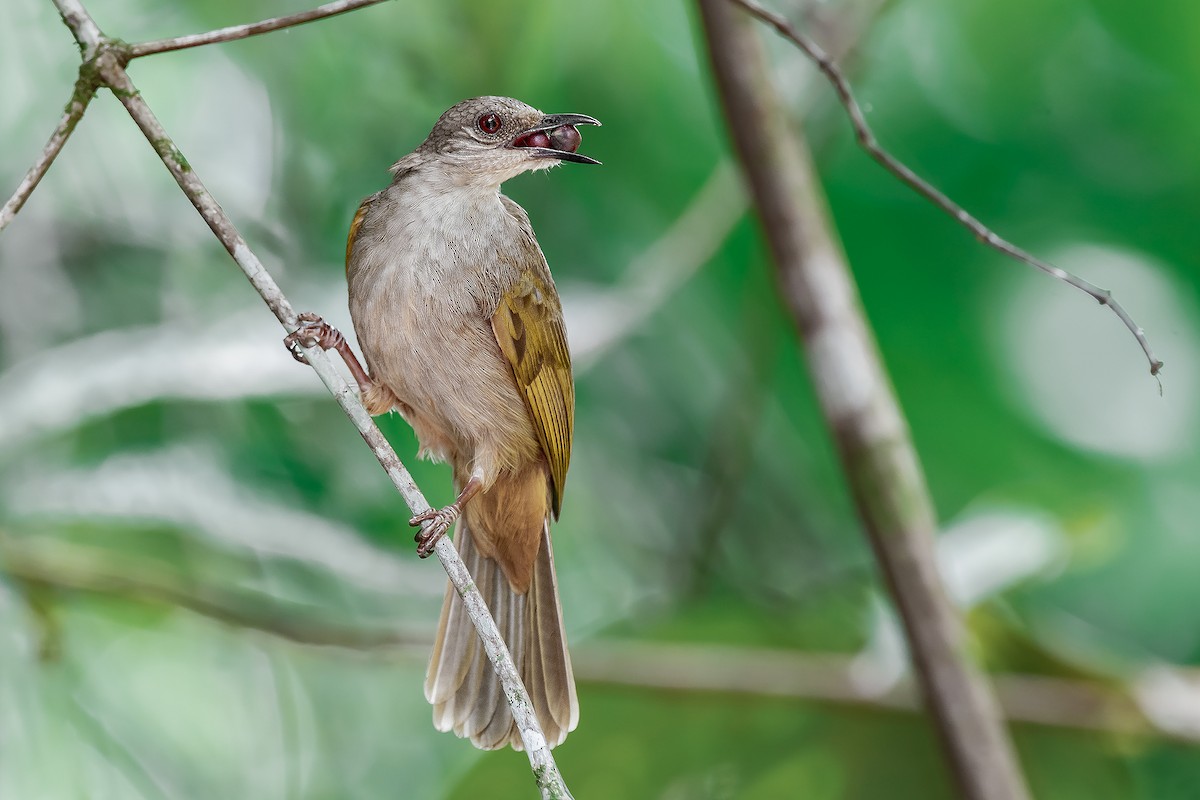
{"points": [[316, 332], [440, 520]]}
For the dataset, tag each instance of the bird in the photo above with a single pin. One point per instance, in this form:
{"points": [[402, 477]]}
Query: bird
{"points": [[462, 331]]}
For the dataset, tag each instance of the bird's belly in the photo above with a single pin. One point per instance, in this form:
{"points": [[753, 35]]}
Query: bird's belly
{"points": [[441, 361]]}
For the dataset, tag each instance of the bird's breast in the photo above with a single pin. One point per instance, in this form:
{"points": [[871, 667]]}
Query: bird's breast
{"points": [[424, 284]]}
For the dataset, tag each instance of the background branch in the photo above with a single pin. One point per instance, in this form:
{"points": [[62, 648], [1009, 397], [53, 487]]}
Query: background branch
{"points": [[1088, 705], [110, 62], [830, 678], [866, 139], [235, 32], [869, 431]]}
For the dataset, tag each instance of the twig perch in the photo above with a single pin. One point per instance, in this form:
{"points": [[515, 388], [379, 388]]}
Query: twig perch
{"points": [[870, 433], [235, 32], [867, 141], [107, 58], [85, 89]]}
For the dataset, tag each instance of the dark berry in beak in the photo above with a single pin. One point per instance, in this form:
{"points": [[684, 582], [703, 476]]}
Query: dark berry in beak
{"points": [[565, 138]]}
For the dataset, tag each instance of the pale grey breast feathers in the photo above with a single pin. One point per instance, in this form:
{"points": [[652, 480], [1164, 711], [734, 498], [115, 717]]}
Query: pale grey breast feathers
{"points": [[426, 271]]}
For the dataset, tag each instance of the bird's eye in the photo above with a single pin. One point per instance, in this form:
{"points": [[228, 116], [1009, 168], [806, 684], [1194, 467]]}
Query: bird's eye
{"points": [[489, 123]]}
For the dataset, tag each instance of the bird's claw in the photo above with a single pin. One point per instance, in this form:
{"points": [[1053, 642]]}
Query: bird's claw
{"points": [[312, 332], [433, 523]]}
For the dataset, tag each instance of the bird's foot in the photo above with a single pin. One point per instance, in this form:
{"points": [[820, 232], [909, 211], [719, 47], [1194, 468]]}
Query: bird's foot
{"points": [[433, 523], [313, 332], [437, 521], [316, 332]]}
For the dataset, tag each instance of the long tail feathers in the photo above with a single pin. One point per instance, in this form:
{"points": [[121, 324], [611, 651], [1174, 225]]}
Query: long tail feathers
{"points": [[462, 685]]}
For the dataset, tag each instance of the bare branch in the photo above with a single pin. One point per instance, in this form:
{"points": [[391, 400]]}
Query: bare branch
{"points": [[235, 32], [1088, 705], [85, 89], [85, 30], [1085, 705], [869, 430], [109, 60], [866, 139]]}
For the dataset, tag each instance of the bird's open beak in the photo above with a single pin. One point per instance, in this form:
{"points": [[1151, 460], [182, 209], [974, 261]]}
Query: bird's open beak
{"points": [[556, 137]]}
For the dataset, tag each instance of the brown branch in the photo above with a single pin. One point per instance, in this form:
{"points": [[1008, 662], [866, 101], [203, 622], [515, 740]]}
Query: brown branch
{"points": [[85, 90], [866, 139], [85, 30], [869, 431], [110, 58], [235, 32], [1083, 705], [673, 667], [1093, 706]]}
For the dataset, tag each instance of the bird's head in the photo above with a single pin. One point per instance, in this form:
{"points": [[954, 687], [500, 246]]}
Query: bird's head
{"points": [[491, 139]]}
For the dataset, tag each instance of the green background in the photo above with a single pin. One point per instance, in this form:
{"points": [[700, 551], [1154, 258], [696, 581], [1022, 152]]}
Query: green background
{"points": [[152, 426]]}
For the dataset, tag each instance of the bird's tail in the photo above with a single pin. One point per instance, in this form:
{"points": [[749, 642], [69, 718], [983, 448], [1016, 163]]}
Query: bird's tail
{"points": [[462, 685]]}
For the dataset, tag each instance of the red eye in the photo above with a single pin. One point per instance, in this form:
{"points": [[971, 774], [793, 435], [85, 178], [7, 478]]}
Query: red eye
{"points": [[489, 123]]}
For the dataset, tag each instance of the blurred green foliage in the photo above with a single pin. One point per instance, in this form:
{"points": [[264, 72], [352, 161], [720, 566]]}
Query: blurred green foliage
{"points": [[705, 504]]}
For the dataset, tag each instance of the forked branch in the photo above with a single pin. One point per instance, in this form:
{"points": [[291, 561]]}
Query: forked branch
{"points": [[85, 87], [108, 58]]}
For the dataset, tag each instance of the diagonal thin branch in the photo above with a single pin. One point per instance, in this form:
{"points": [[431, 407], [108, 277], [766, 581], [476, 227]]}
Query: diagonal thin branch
{"points": [[85, 89], [85, 30], [872, 438], [109, 59], [235, 32], [866, 139]]}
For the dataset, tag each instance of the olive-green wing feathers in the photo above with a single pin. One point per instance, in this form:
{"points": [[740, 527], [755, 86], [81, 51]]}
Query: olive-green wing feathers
{"points": [[528, 325], [529, 329]]}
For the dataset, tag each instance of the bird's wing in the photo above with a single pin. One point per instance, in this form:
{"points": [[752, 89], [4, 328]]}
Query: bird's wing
{"points": [[356, 225], [530, 331]]}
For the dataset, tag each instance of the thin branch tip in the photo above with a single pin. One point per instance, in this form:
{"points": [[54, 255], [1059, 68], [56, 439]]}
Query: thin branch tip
{"points": [[235, 32], [869, 143]]}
